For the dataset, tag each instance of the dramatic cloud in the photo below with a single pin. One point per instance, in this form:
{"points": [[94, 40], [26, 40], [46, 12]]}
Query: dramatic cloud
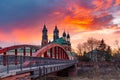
{"points": [[25, 13], [23, 18]]}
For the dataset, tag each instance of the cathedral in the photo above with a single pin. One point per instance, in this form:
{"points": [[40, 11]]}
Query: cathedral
{"points": [[64, 40]]}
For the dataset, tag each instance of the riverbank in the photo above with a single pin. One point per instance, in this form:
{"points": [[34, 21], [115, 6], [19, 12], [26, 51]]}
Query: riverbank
{"points": [[92, 73], [99, 73]]}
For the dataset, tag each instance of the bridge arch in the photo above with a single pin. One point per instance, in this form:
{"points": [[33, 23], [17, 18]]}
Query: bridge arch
{"points": [[52, 51], [5, 51], [55, 51]]}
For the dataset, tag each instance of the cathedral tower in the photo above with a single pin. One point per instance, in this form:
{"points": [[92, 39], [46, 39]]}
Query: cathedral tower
{"points": [[55, 34], [44, 36]]}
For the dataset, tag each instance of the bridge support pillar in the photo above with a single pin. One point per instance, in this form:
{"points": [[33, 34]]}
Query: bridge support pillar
{"points": [[70, 71], [31, 74]]}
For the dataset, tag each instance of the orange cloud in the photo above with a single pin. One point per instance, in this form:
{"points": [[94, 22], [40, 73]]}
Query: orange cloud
{"points": [[91, 16], [117, 2], [102, 4]]}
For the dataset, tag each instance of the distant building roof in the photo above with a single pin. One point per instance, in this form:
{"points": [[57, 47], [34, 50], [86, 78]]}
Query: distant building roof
{"points": [[62, 41]]}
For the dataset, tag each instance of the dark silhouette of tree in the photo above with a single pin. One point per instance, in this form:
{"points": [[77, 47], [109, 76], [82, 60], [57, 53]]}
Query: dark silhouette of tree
{"points": [[87, 46], [92, 44], [118, 47], [83, 58], [116, 57], [108, 54], [109, 50], [79, 49]]}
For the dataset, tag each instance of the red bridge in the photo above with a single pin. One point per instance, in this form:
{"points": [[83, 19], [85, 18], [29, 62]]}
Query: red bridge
{"points": [[39, 61], [30, 61]]}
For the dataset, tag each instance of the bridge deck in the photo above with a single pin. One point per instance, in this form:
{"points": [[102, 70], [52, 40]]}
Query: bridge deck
{"points": [[38, 66]]}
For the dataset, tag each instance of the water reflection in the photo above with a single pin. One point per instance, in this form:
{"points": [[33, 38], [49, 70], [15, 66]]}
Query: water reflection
{"points": [[54, 78], [101, 73]]}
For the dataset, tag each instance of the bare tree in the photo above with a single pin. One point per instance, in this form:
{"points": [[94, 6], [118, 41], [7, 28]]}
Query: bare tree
{"points": [[92, 43], [116, 52], [117, 44], [87, 46], [79, 49]]}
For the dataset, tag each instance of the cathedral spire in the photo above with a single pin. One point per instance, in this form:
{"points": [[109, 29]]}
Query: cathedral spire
{"points": [[64, 34], [68, 37], [44, 28]]}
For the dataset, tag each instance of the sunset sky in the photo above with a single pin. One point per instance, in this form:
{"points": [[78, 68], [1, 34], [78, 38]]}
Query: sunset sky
{"points": [[21, 21]]}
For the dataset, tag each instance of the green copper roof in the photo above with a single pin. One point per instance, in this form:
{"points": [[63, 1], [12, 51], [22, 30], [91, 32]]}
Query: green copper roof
{"points": [[61, 41]]}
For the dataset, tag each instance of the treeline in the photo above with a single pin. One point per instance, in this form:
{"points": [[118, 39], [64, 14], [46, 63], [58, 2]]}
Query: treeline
{"points": [[92, 44]]}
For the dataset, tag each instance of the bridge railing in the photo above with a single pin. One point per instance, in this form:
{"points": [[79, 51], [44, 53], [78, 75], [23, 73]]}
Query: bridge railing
{"points": [[12, 62]]}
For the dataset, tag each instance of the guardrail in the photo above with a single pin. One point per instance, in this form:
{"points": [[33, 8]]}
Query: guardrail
{"points": [[19, 64]]}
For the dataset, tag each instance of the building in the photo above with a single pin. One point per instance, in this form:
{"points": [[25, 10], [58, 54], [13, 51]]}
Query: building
{"points": [[64, 40], [101, 53], [44, 36]]}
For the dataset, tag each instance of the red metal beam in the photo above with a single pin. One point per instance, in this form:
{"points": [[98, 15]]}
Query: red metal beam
{"points": [[4, 59], [24, 53], [62, 54], [42, 50], [16, 53], [6, 49], [55, 52], [51, 52], [31, 52], [45, 54], [58, 53]]}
